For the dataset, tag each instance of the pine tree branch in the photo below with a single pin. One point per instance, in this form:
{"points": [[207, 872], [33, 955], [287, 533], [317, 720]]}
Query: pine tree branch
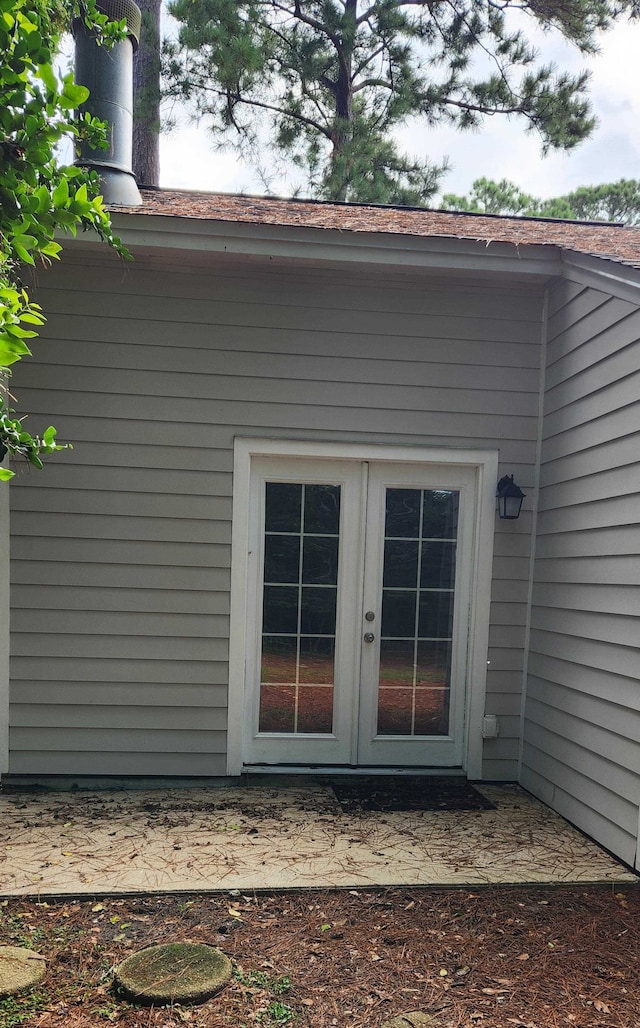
{"points": [[323, 29], [328, 83], [307, 20], [369, 83], [465, 105], [238, 98], [478, 42], [364, 64]]}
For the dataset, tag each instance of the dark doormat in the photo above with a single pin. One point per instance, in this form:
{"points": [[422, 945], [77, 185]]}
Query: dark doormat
{"points": [[413, 792]]}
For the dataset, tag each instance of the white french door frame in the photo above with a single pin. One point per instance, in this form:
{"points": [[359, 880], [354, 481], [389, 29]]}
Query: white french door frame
{"points": [[485, 466]]}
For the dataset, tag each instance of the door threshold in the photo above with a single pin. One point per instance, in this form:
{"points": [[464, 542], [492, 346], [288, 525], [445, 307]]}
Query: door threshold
{"points": [[333, 769]]}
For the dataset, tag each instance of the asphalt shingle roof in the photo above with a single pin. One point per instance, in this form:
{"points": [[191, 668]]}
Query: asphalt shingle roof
{"points": [[614, 242]]}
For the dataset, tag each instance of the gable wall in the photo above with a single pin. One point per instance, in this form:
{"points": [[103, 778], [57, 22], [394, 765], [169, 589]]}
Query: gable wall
{"points": [[582, 729], [121, 549]]}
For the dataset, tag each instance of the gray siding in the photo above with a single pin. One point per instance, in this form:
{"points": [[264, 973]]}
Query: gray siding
{"points": [[581, 750], [121, 549]]}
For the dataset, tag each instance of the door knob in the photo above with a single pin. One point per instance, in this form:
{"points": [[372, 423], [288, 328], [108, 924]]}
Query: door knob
{"points": [[369, 637]]}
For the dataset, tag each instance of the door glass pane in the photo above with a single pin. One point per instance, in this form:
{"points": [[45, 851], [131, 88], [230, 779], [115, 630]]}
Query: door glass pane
{"points": [[439, 514], [282, 558], [283, 507], [437, 564], [399, 613], [318, 610], [320, 565], [322, 509], [316, 661], [301, 540], [280, 609], [417, 611], [400, 562], [278, 658], [402, 519], [436, 614]]}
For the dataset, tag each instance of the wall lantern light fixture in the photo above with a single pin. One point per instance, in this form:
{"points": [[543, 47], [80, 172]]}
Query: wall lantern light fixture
{"points": [[509, 497]]}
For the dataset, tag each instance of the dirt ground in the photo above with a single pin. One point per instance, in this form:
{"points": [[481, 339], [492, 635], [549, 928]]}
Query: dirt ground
{"points": [[533, 957]]}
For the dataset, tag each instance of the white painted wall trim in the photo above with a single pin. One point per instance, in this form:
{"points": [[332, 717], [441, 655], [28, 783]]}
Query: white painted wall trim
{"points": [[534, 521], [485, 463], [238, 605], [4, 625]]}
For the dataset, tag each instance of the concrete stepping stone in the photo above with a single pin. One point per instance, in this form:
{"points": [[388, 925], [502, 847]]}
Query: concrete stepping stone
{"points": [[177, 972], [19, 969]]}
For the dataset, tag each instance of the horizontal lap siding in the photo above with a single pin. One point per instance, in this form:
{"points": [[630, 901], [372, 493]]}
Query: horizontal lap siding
{"points": [[582, 725], [121, 549]]}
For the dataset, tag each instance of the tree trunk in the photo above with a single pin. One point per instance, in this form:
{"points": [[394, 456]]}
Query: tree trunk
{"points": [[146, 97], [344, 103]]}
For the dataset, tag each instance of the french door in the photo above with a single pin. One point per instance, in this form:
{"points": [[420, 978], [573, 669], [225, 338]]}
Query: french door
{"points": [[359, 593]]}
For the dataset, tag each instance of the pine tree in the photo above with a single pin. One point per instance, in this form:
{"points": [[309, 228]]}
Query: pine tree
{"points": [[613, 201], [330, 80]]}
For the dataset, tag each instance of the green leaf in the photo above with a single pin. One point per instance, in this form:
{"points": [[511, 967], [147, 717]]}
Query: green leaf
{"points": [[61, 193], [30, 318], [7, 356], [44, 199], [72, 94], [18, 333], [51, 249], [26, 241], [22, 254], [66, 218], [45, 72], [6, 475]]}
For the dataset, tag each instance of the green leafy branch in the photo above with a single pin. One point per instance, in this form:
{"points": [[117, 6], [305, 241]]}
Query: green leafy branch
{"points": [[15, 441], [40, 198]]}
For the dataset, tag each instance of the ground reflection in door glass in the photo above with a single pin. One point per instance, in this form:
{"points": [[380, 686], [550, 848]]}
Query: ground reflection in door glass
{"points": [[302, 524], [413, 696]]}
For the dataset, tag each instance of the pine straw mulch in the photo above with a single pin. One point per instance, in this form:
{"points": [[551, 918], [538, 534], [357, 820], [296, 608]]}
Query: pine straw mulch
{"points": [[534, 957]]}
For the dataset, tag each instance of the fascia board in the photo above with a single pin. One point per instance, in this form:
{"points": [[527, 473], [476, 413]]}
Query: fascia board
{"points": [[147, 232]]}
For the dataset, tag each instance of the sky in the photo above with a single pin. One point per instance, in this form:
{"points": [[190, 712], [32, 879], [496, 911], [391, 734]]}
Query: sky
{"points": [[501, 149]]}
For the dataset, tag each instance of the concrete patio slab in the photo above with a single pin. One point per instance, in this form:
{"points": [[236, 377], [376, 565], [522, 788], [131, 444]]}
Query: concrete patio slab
{"points": [[272, 837]]}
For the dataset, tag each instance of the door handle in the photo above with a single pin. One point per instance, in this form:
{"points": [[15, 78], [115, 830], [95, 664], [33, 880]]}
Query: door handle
{"points": [[369, 637]]}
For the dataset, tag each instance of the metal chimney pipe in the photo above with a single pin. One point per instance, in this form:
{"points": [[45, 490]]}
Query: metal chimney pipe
{"points": [[108, 74]]}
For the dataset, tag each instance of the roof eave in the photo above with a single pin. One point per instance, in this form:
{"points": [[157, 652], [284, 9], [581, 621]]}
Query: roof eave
{"points": [[601, 272], [332, 246]]}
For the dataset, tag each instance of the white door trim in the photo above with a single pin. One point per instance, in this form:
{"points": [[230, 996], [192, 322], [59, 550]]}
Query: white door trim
{"points": [[485, 463]]}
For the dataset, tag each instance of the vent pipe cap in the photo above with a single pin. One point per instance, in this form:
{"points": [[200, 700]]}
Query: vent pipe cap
{"points": [[120, 10]]}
